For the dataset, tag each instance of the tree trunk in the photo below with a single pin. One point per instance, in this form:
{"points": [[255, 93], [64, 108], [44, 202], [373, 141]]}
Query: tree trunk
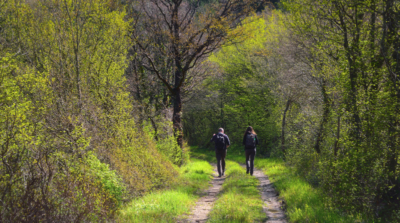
{"points": [[155, 129], [394, 123], [352, 52], [176, 117], [283, 126], [325, 117], [337, 136]]}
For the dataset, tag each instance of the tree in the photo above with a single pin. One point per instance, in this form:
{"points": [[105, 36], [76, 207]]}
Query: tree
{"points": [[360, 39], [69, 147], [174, 36], [238, 93]]}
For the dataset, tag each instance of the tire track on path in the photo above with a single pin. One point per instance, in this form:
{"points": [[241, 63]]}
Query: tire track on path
{"points": [[272, 206], [203, 206]]}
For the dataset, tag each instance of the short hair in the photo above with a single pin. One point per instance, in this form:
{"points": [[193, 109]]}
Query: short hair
{"points": [[220, 130]]}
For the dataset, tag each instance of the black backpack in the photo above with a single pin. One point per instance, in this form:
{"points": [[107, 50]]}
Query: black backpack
{"points": [[250, 140], [220, 141]]}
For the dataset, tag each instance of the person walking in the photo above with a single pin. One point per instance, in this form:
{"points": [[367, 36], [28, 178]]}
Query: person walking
{"points": [[221, 144], [250, 141]]}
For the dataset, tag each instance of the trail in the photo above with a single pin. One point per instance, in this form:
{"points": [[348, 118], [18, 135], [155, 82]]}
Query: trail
{"points": [[272, 206], [200, 212]]}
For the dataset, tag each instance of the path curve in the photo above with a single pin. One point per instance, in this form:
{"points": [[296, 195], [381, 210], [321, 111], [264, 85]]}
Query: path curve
{"points": [[272, 205], [199, 213]]}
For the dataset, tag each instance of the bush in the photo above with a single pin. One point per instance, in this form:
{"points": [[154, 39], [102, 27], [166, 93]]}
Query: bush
{"points": [[110, 181], [166, 142]]}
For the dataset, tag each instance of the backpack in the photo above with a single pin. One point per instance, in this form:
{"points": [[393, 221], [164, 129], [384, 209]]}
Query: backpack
{"points": [[250, 140], [220, 141]]}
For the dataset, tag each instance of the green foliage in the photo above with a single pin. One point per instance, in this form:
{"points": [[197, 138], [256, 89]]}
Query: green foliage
{"points": [[70, 147], [23, 95], [135, 157], [239, 98], [171, 149], [111, 182], [166, 142], [29, 171], [319, 84], [322, 74], [358, 163]]}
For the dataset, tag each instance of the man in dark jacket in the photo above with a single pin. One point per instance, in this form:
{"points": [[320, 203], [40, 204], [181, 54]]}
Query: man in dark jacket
{"points": [[221, 144]]}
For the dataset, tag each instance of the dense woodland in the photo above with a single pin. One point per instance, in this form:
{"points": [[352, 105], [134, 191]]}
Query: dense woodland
{"points": [[102, 99]]}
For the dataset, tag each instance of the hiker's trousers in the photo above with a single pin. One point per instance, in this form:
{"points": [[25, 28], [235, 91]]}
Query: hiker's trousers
{"points": [[250, 154], [221, 154]]}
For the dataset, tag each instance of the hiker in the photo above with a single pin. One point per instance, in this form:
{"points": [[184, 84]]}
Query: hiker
{"points": [[250, 141], [221, 144]]}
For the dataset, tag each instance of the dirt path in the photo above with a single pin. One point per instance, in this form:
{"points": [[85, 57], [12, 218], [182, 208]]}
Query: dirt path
{"points": [[205, 203], [272, 205]]}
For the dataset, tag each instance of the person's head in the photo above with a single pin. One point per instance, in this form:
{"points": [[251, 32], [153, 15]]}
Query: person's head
{"points": [[221, 130], [250, 130]]}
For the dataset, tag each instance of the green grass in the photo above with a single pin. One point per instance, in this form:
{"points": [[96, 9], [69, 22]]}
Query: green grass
{"points": [[234, 153], [303, 202], [240, 200], [168, 205]]}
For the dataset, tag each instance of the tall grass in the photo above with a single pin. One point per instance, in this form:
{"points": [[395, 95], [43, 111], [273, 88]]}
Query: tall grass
{"points": [[169, 205], [240, 200]]}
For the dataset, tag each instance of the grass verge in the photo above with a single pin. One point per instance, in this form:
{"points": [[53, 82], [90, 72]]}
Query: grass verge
{"points": [[168, 205], [240, 200], [303, 202]]}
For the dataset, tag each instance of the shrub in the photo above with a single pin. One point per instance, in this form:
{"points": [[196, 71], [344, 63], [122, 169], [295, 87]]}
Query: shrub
{"points": [[166, 142], [110, 181]]}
